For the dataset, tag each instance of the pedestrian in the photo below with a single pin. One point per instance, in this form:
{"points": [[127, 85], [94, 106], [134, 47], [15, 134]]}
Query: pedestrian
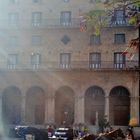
{"points": [[130, 133], [50, 131]]}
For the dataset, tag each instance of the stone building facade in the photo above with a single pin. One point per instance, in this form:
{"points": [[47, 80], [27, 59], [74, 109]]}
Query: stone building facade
{"points": [[51, 73]]}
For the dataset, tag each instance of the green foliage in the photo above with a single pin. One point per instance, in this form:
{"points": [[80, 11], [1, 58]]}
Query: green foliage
{"points": [[139, 3], [98, 1], [132, 20], [95, 20], [134, 17]]}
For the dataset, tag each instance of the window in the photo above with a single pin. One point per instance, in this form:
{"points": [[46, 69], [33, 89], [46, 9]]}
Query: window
{"points": [[94, 1], [65, 59], [13, 19], [36, 1], [119, 17], [119, 60], [12, 61], [13, 41], [66, 0], [36, 18], [14, 1], [35, 60], [91, 1], [95, 40], [119, 38], [95, 60], [36, 40], [65, 18]]}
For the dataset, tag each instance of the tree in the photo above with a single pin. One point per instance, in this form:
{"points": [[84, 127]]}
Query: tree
{"points": [[131, 8], [94, 20]]}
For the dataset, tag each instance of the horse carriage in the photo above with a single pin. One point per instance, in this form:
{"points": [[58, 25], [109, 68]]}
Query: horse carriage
{"points": [[116, 134]]}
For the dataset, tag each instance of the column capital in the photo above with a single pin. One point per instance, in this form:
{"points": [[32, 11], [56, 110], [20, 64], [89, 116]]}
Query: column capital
{"points": [[106, 96], [50, 96], [134, 97]]}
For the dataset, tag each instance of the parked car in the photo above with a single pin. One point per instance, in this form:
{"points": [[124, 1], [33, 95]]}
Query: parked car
{"points": [[24, 131], [63, 134]]}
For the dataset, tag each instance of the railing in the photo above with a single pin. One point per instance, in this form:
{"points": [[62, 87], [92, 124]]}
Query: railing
{"points": [[44, 23], [74, 65], [54, 23], [113, 22]]}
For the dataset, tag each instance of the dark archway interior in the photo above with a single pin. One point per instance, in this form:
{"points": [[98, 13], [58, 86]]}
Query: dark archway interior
{"points": [[94, 105], [64, 106], [11, 105], [119, 106], [35, 106]]}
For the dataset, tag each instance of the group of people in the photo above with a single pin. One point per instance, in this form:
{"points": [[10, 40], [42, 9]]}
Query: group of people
{"points": [[79, 132]]}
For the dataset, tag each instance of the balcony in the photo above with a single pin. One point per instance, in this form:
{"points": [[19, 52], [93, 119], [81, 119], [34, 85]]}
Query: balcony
{"points": [[118, 23], [74, 65], [44, 23], [54, 23]]}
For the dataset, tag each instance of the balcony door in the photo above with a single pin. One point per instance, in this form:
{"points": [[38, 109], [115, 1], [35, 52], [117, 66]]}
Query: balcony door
{"points": [[119, 60], [120, 17], [35, 60], [13, 19], [65, 18], [36, 18], [12, 61], [65, 59], [94, 60]]}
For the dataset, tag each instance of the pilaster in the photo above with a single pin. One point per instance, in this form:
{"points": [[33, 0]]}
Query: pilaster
{"points": [[50, 107], [107, 107], [79, 110]]}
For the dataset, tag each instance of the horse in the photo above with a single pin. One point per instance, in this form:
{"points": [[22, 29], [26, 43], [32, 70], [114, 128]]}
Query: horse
{"points": [[112, 135], [89, 137]]}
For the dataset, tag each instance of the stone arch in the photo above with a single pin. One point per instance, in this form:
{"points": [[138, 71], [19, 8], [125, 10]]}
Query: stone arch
{"points": [[35, 105], [11, 105], [64, 106], [119, 106], [94, 104]]}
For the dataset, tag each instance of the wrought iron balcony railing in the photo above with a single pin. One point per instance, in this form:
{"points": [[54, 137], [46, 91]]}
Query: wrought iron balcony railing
{"points": [[74, 65], [43, 23], [118, 23], [54, 23]]}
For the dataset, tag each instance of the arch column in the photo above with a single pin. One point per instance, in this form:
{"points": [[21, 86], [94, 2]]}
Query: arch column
{"points": [[79, 110], [23, 109], [134, 98], [23, 105], [137, 107], [1, 121], [133, 107], [76, 114], [49, 108], [107, 107], [46, 110], [0, 107]]}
